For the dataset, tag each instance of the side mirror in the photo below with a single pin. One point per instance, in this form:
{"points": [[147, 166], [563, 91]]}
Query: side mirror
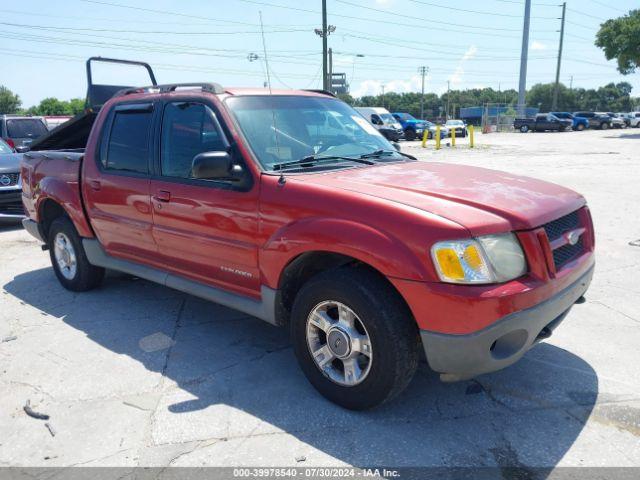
{"points": [[396, 145], [212, 166], [23, 149]]}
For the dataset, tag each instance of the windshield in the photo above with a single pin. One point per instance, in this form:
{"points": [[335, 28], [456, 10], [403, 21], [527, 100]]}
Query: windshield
{"points": [[287, 128], [404, 116], [563, 115], [26, 128], [4, 148], [455, 122], [388, 118]]}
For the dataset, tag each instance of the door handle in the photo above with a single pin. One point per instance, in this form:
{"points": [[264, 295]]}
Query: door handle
{"points": [[162, 196], [95, 185]]}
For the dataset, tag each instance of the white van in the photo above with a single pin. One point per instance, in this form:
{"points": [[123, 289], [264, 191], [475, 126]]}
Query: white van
{"points": [[383, 121]]}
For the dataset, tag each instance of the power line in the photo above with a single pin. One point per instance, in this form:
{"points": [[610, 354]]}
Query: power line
{"points": [[477, 12]]}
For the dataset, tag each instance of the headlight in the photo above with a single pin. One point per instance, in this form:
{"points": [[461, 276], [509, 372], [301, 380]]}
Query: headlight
{"points": [[488, 259]]}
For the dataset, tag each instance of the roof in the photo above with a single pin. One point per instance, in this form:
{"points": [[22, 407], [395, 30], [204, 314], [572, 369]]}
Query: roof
{"points": [[266, 91]]}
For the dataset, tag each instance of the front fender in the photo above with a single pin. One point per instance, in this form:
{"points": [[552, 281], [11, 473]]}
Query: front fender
{"points": [[67, 195], [378, 249]]}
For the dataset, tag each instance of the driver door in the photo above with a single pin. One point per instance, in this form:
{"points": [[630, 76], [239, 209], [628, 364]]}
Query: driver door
{"points": [[206, 230]]}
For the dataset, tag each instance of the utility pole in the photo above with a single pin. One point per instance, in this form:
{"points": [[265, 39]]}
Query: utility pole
{"points": [[571, 83], [324, 45], [446, 115], [330, 75], [324, 33], [422, 71], [383, 96], [554, 103], [522, 87]]}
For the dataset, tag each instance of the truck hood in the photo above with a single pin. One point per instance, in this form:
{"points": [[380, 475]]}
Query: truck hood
{"points": [[481, 200]]}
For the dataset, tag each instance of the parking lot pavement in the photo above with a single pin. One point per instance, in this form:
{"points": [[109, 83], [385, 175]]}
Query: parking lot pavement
{"points": [[137, 374]]}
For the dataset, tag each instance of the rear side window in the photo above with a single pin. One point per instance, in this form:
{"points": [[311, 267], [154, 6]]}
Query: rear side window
{"points": [[25, 128], [188, 128], [128, 147]]}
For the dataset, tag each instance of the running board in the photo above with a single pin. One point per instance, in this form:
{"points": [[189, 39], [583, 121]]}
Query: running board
{"points": [[264, 310]]}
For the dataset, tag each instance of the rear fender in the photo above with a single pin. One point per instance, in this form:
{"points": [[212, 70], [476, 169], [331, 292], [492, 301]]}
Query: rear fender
{"points": [[68, 197], [375, 248]]}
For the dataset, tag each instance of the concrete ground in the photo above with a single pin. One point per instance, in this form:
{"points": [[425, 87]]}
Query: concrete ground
{"points": [[137, 374]]}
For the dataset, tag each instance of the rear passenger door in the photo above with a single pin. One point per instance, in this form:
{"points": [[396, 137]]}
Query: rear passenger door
{"points": [[206, 230], [116, 183]]}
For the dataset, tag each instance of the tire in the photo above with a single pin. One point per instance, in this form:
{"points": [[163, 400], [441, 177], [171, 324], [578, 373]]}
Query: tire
{"points": [[410, 134], [69, 260], [381, 316], [580, 127], [524, 128], [604, 126]]}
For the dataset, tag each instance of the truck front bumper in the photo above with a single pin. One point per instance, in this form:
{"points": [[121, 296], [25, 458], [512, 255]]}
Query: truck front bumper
{"points": [[11, 208], [460, 357]]}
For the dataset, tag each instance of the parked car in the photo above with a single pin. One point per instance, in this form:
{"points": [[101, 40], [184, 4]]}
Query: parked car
{"points": [[53, 121], [383, 121], [411, 126], [578, 123], [364, 253], [459, 126], [633, 119], [19, 131], [616, 120], [433, 128], [10, 185], [596, 120], [541, 123]]}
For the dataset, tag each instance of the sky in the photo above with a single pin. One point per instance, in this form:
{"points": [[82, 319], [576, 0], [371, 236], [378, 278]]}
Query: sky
{"points": [[377, 43]]}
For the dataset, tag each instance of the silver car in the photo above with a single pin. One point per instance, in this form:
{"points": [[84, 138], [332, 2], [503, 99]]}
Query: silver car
{"points": [[11, 209], [19, 131]]}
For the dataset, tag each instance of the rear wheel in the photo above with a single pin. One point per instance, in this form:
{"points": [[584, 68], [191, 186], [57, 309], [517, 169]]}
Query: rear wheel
{"points": [[524, 128], [580, 127], [354, 337], [410, 134], [69, 260], [604, 126]]}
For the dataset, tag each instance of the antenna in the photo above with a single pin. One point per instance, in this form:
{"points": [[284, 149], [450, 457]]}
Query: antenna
{"points": [[281, 180]]}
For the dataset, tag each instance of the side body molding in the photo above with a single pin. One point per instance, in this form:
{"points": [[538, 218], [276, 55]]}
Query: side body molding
{"points": [[263, 309]]}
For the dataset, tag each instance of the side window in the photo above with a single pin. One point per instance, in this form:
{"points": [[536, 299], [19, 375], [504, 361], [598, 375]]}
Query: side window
{"points": [[188, 129], [128, 147], [375, 119]]}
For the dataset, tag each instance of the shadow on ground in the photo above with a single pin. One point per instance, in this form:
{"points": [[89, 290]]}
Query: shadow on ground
{"points": [[528, 415]]}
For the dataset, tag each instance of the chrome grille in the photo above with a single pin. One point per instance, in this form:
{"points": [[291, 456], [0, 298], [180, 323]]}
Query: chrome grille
{"points": [[559, 227], [562, 225]]}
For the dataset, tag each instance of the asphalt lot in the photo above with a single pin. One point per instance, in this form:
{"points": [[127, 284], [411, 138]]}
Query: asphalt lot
{"points": [[138, 374]]}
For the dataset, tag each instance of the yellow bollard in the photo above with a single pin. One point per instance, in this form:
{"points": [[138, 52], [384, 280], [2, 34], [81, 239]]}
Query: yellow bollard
{"points": [[453, 136], [470, 136], [437, 137], [425, 136]]}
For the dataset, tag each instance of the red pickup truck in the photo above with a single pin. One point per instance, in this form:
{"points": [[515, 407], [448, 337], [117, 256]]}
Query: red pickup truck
{"points": [[289, 206]]}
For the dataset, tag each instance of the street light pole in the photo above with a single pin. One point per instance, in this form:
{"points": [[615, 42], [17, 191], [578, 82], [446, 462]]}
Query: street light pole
{"points": [[522, 87], [554, 103], [423, 71]]}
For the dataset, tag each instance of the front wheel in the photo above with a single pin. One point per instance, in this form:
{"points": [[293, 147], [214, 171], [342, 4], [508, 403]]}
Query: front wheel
{"points": [[69, 260], [410, 134], [524, 128], [354, 337], [580, 127], [604, 126]]}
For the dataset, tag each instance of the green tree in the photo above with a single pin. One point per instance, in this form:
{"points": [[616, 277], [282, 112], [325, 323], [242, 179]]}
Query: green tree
{"points": [[9, 101], [51, 106], [620, 40], [76, 106]]}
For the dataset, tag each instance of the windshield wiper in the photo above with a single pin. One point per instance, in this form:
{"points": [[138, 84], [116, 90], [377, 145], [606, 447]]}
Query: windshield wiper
{"points": [[382, 153], [314, 160]]}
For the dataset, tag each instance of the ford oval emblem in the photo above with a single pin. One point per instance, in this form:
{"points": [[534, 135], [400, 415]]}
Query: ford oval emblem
{"points": [[573, 237]]}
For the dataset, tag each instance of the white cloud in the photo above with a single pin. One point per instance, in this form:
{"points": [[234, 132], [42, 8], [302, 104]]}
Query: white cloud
{"points": [[374, 87], [455, 79], [536, 45]]}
